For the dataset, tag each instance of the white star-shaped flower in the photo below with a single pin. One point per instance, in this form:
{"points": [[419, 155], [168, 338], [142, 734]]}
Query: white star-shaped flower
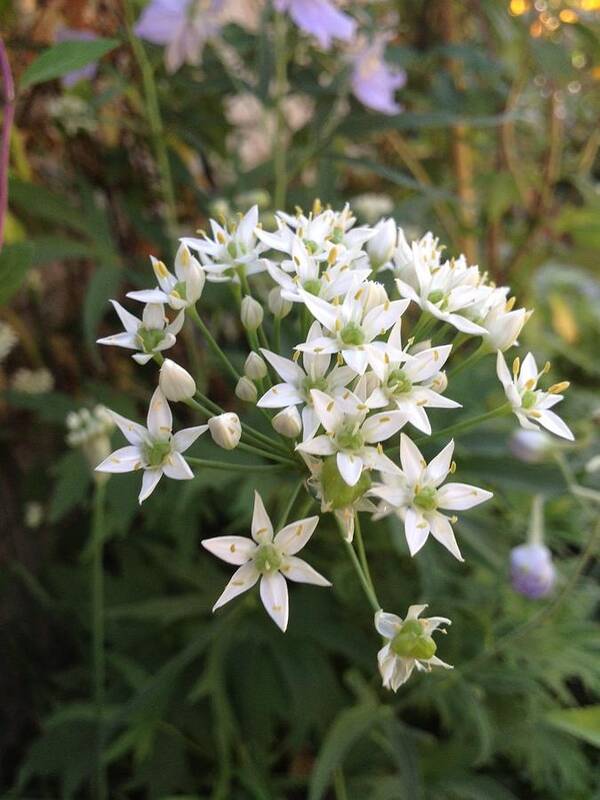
{"points": [[299, 382], [155, 449], [405, 381], [303, 270], [417, 494], [180, 290], [409, 644], [443, 290], [268, 558], [151, 334], [231, 247], [350, 434], [353, 326], [531, 405]]}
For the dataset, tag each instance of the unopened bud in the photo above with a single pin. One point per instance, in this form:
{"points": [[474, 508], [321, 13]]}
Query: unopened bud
{"points": [[175, 382], [226, 430], [246, 390], [278, 305], [380, 247], [374, 294], [255, 368], [288, 422], [532, 447], [251, 313]]}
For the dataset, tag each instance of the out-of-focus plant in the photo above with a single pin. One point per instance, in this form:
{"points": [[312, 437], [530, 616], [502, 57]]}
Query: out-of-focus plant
{"points": [[477, 123]]}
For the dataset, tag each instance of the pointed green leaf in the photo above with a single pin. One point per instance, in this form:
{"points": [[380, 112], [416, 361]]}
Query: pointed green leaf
{"points": [[65, 57]]}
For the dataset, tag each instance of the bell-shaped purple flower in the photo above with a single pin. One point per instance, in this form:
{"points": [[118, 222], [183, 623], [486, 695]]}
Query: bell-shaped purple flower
{"points": [[320, 18], [374, 82], [182, 26], [532, 571]]}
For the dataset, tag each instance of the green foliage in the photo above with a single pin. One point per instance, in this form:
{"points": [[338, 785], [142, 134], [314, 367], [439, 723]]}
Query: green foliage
{"points": [[15, 260], [65, 57]]}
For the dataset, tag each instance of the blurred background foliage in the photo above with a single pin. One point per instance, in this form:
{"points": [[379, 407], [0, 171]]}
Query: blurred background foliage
{"points": [[496, 151]]}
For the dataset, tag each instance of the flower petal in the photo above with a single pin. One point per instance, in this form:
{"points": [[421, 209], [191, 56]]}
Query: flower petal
{"points": [[319, 446], [242, 579], [160, 419], [327, 410], [177, 468], [350, 467], [441, 529], [287, 369], [280, 396], [381, 426], [126, 340], [411, 459], [130, 322], [553, 423], [294, 536], [416, 529], [262, 529], [186, 437], [233, 549], [126, 459], [295, 569], [387, 624], [132, 431], [274, 595], [149, 481], [439, 467], [460, 496]]}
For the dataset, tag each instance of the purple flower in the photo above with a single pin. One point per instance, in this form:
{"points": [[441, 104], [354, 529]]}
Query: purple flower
{"points": [[373, 81], [320, 18], [183, 26], [86, 73], [532, 571]]}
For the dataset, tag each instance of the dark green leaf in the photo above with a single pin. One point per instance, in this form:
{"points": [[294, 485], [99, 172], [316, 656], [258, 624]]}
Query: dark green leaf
{"points": [[65, 57], [15, 260]]}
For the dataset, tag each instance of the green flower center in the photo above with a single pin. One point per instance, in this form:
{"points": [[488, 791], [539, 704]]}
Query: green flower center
{"points": [[180, 290], [311, 246], [529, 399], [267, 559], [313, 286], [336, 491], [150, 338], [318, 383], [435, 296], [411, 641], [398, 382], [349, 439], [352, 334], [235, 249], [337, 237], [156, 452], [426, 499]]}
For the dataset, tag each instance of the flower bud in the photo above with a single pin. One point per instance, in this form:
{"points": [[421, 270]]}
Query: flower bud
{"points": [[191, 279], [503, 328], [439, 382], [251, 313], [380, 247], [278, 305], [175, 382], [288, 422], [532, 447], [532, 571], [226, 430], [255, 368], [246, 390], [373, 294]]}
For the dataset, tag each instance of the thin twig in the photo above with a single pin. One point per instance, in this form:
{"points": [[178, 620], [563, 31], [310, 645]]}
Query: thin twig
{"points": [[7, 121]]}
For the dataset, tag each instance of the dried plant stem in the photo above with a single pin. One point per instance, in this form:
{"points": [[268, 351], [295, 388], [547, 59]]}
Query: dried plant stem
{"points": [[8, 114]]}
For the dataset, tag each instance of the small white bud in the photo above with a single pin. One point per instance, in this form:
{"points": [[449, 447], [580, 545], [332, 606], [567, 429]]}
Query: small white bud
{"points": [[226, 430], [255, 368], [374, 294], [380, 247], [192, 277], [175, 382], [278, 305], [532, 447], [246, 390], [251, 313], [439, 382], [288, 422]]}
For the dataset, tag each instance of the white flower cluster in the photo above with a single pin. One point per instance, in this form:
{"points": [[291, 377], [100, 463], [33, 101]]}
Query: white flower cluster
{"points": [[354, 380], [90, 431]]}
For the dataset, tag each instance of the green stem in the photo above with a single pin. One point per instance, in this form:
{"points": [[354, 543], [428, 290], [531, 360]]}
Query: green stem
{"points": [[98, 636], [231, 466], [212, 343], [277, 334], [362, 553], [279, 159], [367, 588], [339, 785], [266, 454], [453, 430], [290, 504], [471, 360], [155, 123]]}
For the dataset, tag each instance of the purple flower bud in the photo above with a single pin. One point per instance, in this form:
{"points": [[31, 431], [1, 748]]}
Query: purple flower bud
{"points": [[532, 571]]}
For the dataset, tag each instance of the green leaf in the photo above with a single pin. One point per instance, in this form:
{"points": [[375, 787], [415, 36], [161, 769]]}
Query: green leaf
{"points": [[15, 260], [348, 728], [65, 57], [71, 486], [581, 722], [104, 284]]}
